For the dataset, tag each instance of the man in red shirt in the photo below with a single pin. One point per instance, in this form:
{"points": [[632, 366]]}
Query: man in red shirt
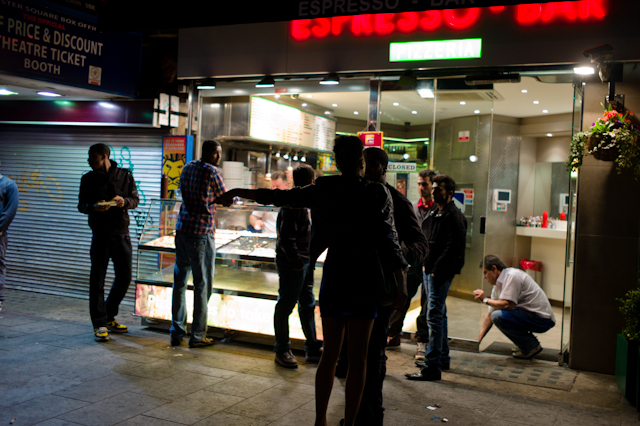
{"points": [[415, 275]]}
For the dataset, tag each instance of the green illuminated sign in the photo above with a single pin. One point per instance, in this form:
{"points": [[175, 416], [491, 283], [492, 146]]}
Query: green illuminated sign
{"points": [[435, 50]]}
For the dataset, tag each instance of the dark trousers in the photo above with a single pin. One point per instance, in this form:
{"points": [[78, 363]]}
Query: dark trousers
{"points": [[371, 412], [104, 247], [414, 281]]}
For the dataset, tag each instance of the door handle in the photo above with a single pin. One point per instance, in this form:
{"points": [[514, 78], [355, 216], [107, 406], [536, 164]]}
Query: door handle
{"points": [[483, 224]]}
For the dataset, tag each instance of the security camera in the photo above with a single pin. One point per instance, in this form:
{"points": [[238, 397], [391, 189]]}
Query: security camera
{"points": [[294, 95], [599, 54]]}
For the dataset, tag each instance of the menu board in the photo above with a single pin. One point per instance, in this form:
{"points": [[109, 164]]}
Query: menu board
{"points": [[282, 123]]}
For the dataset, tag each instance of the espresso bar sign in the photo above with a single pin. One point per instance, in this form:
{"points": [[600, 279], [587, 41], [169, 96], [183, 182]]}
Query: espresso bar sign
{"points": [[42, 43]]}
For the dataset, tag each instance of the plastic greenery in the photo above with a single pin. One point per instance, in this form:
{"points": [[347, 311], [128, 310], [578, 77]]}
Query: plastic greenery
{"points": [[614, 130], [631, 311]]}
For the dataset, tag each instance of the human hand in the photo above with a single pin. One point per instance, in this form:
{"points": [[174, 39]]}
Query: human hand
{"points": [[479, 294], [119, 201], [100, 208]]}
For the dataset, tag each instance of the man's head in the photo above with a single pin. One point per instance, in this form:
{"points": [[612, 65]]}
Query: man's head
{"points": [[211, 152], [303, 175], [492, 266], [376, 161], [348, 150], [279, 180], [442, 189], [99, 156], [424, 183]]}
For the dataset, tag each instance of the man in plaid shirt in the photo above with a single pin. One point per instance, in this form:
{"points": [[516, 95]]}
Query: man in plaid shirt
{"points": [[200, 184]]}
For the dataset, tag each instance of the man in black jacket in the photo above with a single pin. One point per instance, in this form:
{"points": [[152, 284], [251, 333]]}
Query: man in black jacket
{"points": [[106, 193], [292, 260], [447, 242], [414, 248]]}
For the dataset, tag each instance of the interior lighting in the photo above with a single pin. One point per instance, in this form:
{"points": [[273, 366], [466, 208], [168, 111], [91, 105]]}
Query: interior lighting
{"points": [[550, 134], [405, 156], [5, 92], [327, 113], [49, 94], [545, 111], [524, 91], [309, 96], [206, 85], [304, 158], [477, 111], [286, 156], [396, 104], [426, 93], [106, 105], [473, 158], [584, 70], [278, 154], [267, 81], [330, 79], [295, 157], [414, 112], [355, 113], [463, 103], [304, 104], [536, 102]]}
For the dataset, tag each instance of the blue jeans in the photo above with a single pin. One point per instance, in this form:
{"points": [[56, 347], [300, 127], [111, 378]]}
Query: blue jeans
{"points": [[294, 288], [438, 349], [518, 326], [194, 253], [3, 264]]}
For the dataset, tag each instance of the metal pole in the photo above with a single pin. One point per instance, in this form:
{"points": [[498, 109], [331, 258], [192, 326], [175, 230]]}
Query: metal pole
{"points": [[373, 122]]}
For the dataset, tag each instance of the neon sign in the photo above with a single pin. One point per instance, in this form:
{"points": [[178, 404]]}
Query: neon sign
{"points": [[384, 24], [435, 50]]}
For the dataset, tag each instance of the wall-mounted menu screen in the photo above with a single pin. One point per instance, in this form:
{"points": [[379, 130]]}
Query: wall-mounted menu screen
{"points": [[282, 123]]}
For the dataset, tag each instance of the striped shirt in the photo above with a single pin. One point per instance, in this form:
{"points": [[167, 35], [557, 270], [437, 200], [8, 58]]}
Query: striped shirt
{"points": [[200, 183]]}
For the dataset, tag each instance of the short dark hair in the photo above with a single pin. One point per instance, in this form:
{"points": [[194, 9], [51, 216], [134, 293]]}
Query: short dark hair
{"points": [[100, 148], [210, 146], [279, 175], [303, 175], [378, 155], [449, 183], [490, 261], [348, 150], [318, 173], [427, 173]]}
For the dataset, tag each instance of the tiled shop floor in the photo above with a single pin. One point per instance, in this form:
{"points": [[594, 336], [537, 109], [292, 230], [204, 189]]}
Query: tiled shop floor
{"points": [[52, 372]]}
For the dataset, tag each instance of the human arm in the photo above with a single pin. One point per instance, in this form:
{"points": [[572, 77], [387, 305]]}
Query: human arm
{"points": [[453, 232], [487, 323], [12, 198], [256, 222], [497, 304], [132, 199], [87, 203], [291, 224], [415, 246]]}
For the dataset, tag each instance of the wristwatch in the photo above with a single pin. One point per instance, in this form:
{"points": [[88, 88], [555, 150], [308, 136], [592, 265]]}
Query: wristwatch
{"points": [[485, 300]]}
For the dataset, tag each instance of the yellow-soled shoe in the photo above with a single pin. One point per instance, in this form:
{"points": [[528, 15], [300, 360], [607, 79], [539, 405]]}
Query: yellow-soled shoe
{"points": [[116, 328], [101, 334]]}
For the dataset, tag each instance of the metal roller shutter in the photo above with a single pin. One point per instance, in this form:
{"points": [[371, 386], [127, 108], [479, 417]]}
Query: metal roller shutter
{"points": [[49, 239]]}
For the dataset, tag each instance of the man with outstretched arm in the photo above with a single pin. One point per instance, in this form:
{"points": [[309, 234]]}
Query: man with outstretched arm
{"points": [[518, 307]]}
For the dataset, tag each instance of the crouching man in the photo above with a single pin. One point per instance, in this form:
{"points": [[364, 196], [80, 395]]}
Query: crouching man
{"points": [[518, 307]]}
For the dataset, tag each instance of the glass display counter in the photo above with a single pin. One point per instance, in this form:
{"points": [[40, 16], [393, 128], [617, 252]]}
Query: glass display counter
{"points": [[245, 283]]}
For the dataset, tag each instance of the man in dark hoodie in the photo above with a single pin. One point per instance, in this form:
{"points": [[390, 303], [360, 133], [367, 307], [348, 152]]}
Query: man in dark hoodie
{"points": [[447, 243], [106, 193]]}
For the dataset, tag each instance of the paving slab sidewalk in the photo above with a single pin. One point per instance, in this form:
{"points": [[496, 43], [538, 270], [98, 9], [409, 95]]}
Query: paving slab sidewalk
{"points": [[52, 372]]}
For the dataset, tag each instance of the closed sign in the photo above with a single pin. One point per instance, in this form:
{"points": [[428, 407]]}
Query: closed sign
{"points": [[402, 167]]}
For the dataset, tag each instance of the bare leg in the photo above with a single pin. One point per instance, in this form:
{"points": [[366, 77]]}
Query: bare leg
{"points": [[359, 331], [333, 331]]}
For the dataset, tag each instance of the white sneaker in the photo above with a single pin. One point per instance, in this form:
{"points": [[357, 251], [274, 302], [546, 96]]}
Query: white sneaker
{"points": [[0, 305], [422, 348]]}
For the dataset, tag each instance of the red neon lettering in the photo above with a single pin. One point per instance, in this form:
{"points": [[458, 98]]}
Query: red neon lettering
{"points": [[528, 13], [408, 23], [360, 25], [431, 20], [558, 9], [336, 24], [496, 9], [468, 18], [382, 23], [300, 30], [593, 8], [321, 28]]}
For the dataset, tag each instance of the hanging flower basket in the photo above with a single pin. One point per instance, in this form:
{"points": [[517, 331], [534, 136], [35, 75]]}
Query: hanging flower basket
{"points": [[613, 137]]}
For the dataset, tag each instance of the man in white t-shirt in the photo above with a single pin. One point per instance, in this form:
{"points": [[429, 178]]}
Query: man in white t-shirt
{"points": [[266, 221], [518, 307]]}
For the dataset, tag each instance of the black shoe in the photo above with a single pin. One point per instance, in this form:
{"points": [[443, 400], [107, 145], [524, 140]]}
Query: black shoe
{"points": [[443, 366], [176, 342], [425, 375], [201, 343], [313, 357], [286, 359]]}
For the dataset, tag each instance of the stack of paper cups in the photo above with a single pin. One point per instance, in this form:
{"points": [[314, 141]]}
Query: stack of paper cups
{"points": [[233, 174]]}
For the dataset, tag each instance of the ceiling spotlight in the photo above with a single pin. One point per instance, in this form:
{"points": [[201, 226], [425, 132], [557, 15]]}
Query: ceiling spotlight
{"points": [[473, 158], [330, 79], [327, 113], [49, 94], [584, 70], [544, 111], [106, 105], [5, 92], [286, 156], [304, 158], [334, 105], [295, 157], [477, 111], [536, 102], [396, 104], [355, 113], [463, 103], [267, 81], [304, 104], [277, 96], [206, 85], [309, 96], [550, 134], [414, 112], [426, 93], [524, 91], [405, 156], [278, 154]]}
